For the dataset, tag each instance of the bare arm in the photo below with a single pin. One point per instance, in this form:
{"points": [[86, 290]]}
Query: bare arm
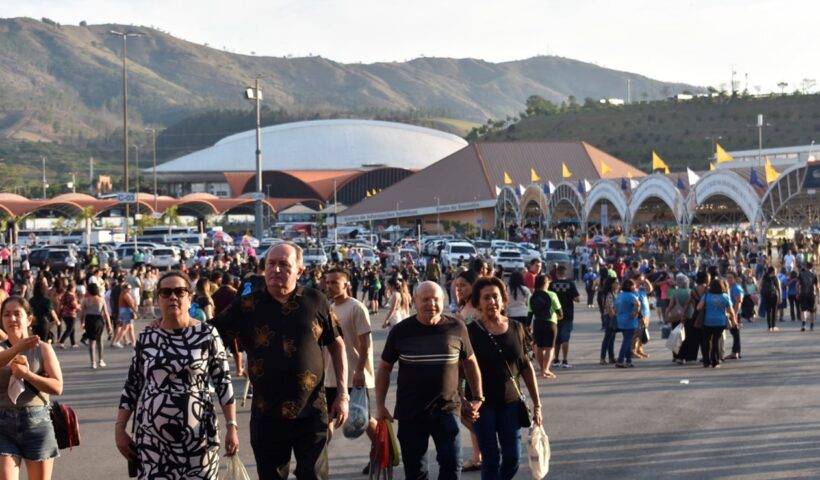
{"points": [[473, 375], [339, 359], [363, 346], [382, 384], [51, 382], [528, 373]]}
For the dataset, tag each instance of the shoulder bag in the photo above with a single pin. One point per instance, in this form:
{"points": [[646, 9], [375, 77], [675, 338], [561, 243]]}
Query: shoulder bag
{"points": [[64, 420], [524, 413]]}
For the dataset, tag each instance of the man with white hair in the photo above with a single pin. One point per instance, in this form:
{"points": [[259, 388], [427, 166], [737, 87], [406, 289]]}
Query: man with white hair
{"points": [[429, 347], [283, 328]]}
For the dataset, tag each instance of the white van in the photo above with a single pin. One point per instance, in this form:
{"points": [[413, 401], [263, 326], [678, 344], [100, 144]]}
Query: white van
{"points": [[554, 245]]}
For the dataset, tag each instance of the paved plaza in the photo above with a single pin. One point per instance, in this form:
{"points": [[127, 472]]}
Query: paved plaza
{"points": [[757, 418]]}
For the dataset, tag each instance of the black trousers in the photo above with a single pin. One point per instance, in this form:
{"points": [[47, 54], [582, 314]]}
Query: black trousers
{"points": [[711, 344], [735, 339], [273, 441]]}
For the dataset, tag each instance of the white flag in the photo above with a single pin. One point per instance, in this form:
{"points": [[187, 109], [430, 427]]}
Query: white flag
{"points": [[692, 177]]}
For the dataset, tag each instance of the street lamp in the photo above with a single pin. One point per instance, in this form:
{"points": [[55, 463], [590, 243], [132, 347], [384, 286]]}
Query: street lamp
{"points": [[136, 191], [154, 143], [125, 36], [253, 93], [397, 213], [438, 216]]}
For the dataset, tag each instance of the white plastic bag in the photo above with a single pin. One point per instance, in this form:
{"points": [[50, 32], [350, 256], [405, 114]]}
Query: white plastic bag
{"points": [[539, 452], [234, 469], [357, 417], [676, 338]]}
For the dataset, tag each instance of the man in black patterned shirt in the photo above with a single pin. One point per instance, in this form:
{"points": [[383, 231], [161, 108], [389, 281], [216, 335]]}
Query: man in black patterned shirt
{"points": [[283, 329]]}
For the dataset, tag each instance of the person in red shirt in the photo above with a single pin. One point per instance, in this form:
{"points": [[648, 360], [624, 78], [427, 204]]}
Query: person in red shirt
{"points": [[620, 268], [532, 271]]}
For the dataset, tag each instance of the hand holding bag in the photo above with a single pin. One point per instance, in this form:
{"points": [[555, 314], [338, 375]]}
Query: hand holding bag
{"points": [[234, 469], [538, 449]]}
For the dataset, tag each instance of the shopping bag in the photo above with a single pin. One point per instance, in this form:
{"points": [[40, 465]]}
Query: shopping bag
{"points": [[395, 452], [234, 470], [357, 417], [665, 331], [381, 462], [676, 338], [539, 452]]}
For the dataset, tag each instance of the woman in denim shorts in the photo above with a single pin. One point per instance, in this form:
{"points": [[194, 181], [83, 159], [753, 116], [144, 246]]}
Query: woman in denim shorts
{"points": [[26, 431]]}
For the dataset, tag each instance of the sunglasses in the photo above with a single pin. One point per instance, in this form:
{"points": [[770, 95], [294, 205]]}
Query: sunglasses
{"points": [[179, 292]]}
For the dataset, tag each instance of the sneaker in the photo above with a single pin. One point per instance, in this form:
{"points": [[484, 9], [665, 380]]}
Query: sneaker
{"points": [[93, 366], [62, 346], [802, 329], [565, 365], [102, 363], [117, 344]]}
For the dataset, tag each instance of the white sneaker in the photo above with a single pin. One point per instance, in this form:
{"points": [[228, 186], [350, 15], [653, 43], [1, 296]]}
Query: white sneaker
{"points": [[102, 363], [117, 344], [93, 366]]}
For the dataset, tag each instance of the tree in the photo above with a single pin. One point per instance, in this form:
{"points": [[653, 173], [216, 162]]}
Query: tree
{"points": [[808, 84], [171, 217], [537, 105], [782, 86], [87, 217]]}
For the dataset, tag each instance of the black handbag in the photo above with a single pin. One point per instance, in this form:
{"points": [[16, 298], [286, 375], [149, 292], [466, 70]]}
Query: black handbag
{"points": [[524, 413], [133, 463]]}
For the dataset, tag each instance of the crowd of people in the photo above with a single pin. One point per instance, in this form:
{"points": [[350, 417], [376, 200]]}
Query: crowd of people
{"points": [[468, 340]]}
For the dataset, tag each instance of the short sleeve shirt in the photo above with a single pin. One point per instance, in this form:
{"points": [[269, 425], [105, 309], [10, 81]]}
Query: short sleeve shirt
{"points": [[715, 309], [428, 357], [499, 389], [567, 292], [284, 345], [354, 321]]}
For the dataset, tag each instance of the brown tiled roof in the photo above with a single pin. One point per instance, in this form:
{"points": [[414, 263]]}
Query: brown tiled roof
{"points": [[473, 173]]}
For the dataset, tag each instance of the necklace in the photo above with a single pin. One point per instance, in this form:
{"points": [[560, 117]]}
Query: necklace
{"points": [[495, 328]]}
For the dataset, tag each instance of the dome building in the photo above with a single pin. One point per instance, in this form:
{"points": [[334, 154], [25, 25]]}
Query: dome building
{"points": [[302, 161]]}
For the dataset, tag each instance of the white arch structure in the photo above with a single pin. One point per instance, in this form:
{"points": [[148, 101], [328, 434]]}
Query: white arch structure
{"points": [[793, 198]]}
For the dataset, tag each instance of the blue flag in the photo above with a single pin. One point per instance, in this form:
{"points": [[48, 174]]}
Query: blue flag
{"points": [[681, 185], [624, 184], [581, 188], [754, 180]]}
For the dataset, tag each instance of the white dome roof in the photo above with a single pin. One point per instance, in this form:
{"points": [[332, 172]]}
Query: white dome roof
{"points": [[323, 145]]}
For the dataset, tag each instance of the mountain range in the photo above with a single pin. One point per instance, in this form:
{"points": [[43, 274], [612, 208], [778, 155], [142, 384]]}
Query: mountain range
{"points": [[63, 83]]}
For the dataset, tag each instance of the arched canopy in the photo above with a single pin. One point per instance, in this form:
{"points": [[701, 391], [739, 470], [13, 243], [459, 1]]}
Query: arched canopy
{"points": [[565, 203], [607, 192], [506, 206], [719, 193], [282, 184], [793, 199], [657, 192], [353, 189], [534, 196]]}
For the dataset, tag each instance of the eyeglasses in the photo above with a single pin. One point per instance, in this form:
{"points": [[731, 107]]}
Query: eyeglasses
{"points": [[180, 292]]}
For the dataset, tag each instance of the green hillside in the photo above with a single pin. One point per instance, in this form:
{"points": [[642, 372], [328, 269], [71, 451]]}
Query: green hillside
{"points": [[681, 132]]}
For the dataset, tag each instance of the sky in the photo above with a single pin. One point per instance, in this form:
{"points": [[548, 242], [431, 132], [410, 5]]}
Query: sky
{"points": [[698, 42]]}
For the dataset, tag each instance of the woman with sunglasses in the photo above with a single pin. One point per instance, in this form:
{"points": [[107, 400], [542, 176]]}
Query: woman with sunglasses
{"points": [[177, 435]]}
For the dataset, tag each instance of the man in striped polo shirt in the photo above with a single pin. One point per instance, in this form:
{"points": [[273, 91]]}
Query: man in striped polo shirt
{"points": [[429, 347]]}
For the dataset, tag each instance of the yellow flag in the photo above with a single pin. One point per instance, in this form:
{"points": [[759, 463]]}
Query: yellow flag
{"points": [[658, 163], [565, 170], [711, 166], [605, 168], [721, 154], [507, 179], [771, 173], [534, 176], [629, 174], [368, 194]]}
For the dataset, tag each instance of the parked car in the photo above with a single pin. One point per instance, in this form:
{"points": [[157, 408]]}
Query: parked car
{"points": [[456, 251], [528, 254], [554, 245], [55, 257], [164, 257], [314, 256], [561, 258], [509, 259], [126, 255], [482, 246]]}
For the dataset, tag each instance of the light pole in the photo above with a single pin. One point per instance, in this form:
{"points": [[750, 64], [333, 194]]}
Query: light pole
{"points": [[125, 36], [154, 143], [397, 213], [438, 216], [45, 185], [253, 93], [136, 191], [267, 195]]}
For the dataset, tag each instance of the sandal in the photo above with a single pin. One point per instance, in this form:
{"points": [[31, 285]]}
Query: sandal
{"points": [[471, 467]]}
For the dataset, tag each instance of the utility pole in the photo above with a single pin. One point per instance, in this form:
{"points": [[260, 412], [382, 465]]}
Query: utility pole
{"points": [[628, 91], [45, 185], [253, 93], [154, 143], [125, 36], [335, 214], [90, 175]]}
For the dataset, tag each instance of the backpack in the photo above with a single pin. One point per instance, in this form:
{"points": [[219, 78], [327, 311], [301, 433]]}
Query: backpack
{"points": [[541, 303], [769, 289], [747, 307]]}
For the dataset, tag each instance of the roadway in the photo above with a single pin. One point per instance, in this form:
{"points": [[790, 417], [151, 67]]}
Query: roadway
{"points": [[756, 418]]}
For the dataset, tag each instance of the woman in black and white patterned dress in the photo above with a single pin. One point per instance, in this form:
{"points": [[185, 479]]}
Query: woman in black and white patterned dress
{"points": [[177, 436]]}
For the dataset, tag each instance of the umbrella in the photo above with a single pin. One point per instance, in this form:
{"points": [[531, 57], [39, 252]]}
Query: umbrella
{"points": [[597, 240], [220, 236], [623, 240]]}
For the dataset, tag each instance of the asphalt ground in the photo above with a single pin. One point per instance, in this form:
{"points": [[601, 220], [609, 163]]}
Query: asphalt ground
{"points": [[755, 418]]}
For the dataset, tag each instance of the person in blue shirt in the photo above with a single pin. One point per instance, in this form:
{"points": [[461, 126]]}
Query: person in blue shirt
{"points": [[718, 314], [784, 292], [627, 310], [643, 289], [736, 294]]}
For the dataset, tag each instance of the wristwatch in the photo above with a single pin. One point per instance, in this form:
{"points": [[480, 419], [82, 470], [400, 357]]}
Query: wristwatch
{"points": [[232, 422], [479, 399]]}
